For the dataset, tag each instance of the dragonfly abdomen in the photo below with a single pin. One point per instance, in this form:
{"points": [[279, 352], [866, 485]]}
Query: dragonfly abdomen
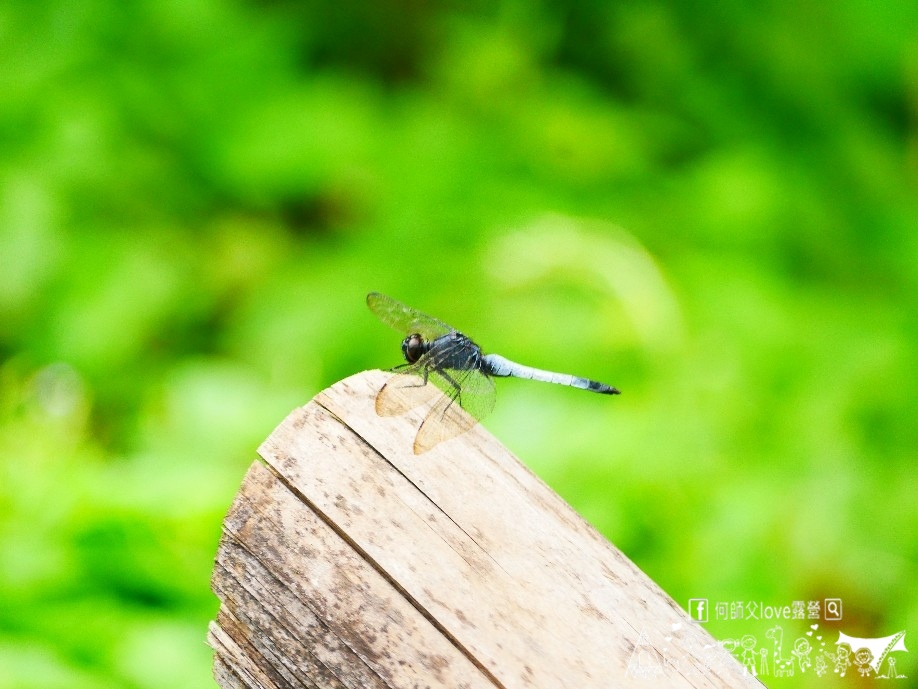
{"points": [[502, 367]]}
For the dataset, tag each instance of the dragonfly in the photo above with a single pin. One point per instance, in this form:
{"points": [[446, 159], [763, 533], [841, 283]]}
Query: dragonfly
{"points": [[440, 359]]}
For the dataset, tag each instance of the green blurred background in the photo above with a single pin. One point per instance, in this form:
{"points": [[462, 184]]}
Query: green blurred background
{"points": [[712, 207]]}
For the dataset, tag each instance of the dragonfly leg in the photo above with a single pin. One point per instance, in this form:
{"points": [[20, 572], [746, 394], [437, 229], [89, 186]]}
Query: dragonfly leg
{"points": [[412, 385], [424, 377], [457, 390]]}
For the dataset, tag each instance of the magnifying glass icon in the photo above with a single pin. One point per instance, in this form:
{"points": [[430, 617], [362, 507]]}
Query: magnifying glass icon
{"points": [[833, 609]]}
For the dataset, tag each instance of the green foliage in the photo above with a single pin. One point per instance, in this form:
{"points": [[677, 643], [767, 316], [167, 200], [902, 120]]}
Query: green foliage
{"points": [[708, 205]]}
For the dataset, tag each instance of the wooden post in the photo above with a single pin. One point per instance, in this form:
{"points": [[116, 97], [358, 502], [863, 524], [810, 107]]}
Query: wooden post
{"points": [[348, 561]]}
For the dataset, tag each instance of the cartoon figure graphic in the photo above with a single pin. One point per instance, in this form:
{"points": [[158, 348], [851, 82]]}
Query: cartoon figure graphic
{"points": [[763, 661], [840, 659], [784, 666], [862, 659], [801, 652], [819, 665], [891, 672], [747, 643]]}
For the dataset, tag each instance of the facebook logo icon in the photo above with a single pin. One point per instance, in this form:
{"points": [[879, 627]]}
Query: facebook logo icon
{"points": [[698, 609]]}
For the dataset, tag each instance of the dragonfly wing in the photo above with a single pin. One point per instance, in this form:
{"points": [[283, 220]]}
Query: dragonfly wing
{"points": [[477, 393], [404, 318], [444, 421], [404, 391], [468, 396]]}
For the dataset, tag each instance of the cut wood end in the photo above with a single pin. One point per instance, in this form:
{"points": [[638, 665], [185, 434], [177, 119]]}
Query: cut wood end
{"points": [[347, 560]]}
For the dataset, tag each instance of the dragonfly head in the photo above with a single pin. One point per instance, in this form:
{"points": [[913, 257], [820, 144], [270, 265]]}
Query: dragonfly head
{"points": [[413, 347]]}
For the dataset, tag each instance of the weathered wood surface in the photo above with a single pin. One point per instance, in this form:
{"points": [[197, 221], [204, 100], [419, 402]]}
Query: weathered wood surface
{"points": [[348, 561]]}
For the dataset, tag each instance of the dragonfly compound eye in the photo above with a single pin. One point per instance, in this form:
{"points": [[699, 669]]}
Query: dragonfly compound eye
{"points": [[413, 348]]}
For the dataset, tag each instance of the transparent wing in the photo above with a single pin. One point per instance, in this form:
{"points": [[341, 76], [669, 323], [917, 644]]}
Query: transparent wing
{"points": [[405, 390], [445, 420], [468, 397], [405, 319], [475, 392]]}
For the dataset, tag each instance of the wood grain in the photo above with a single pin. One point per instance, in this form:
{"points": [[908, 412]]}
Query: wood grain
{"points": [[349, 561]]}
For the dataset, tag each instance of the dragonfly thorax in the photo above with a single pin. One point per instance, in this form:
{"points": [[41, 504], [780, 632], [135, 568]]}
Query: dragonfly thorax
{"points": [[414, 347]]}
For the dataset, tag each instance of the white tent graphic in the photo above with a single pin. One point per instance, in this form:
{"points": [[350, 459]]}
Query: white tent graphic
{"points": [[879, 647]]}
